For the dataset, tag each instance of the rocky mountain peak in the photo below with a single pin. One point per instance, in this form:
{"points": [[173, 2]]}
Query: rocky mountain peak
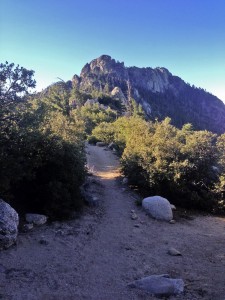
{"points": [[104, 64], [160, 93]]}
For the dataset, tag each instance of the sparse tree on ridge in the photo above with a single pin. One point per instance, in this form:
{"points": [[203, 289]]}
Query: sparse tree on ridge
{"points": [[15, 83]]}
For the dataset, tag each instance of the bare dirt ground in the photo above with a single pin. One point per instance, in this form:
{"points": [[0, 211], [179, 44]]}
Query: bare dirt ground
{"points": [[96, 255]]}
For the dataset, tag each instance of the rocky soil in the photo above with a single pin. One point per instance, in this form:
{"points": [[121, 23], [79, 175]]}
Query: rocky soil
{"points": [[96, 255]]}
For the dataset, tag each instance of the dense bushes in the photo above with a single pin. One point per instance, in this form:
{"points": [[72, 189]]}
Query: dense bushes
{"points": [[183, 165], [93, 115], [103, 132], [52, 186], [41, 171]]}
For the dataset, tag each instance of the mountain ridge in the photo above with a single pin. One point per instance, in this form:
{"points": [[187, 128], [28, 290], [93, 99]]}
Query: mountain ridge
{"points": [[159, 92]]}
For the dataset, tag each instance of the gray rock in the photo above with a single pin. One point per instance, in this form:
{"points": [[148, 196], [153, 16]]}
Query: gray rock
{"points": [[174, 252], [36, 219], [117, 93], [87, 191], [134, 216], [111, 146], [173, 207], [158, 208], [90, 199], [125, 180], [28, 227], [100, 144], [9, 222], [159, 285]]}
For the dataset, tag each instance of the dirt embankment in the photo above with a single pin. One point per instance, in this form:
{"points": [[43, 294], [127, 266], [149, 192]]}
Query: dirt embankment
{"points": [[96, 255]]}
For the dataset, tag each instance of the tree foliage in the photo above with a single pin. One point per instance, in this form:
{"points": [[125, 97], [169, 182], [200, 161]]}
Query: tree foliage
{"points": [[15, 83], [42, 154]]}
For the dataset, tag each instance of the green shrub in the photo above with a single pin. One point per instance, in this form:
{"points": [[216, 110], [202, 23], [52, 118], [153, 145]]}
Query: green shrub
{"points": [[42, 162], [93, 114], [43, 175], [175, 163], [104, 132]]}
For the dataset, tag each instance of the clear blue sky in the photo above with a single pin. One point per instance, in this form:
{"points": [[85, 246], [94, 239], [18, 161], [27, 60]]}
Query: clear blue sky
{"points": [[56, 38]]}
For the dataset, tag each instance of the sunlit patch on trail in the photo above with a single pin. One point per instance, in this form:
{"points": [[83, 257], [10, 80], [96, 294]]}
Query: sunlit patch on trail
{"points": [[108, 174]]}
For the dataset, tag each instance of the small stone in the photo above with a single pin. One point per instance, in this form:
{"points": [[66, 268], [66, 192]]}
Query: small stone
{"points": [[125, 180], [172, 221], [136, 225], [132, 211], [100, 144], [173, 207], [134, 216], [28, 227], [36, 219], [174, 252], [43, 242], [59, 232]]}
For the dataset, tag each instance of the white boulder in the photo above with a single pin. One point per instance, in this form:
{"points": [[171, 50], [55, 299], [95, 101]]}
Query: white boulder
{"points": [[9, 221], [158, 208]]}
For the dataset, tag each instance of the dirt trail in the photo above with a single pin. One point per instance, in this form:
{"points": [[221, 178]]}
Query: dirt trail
{"points": [[98, 254]]}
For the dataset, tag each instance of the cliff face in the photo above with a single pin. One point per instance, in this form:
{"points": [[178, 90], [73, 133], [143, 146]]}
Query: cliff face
{"points": [[159, 92]]}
